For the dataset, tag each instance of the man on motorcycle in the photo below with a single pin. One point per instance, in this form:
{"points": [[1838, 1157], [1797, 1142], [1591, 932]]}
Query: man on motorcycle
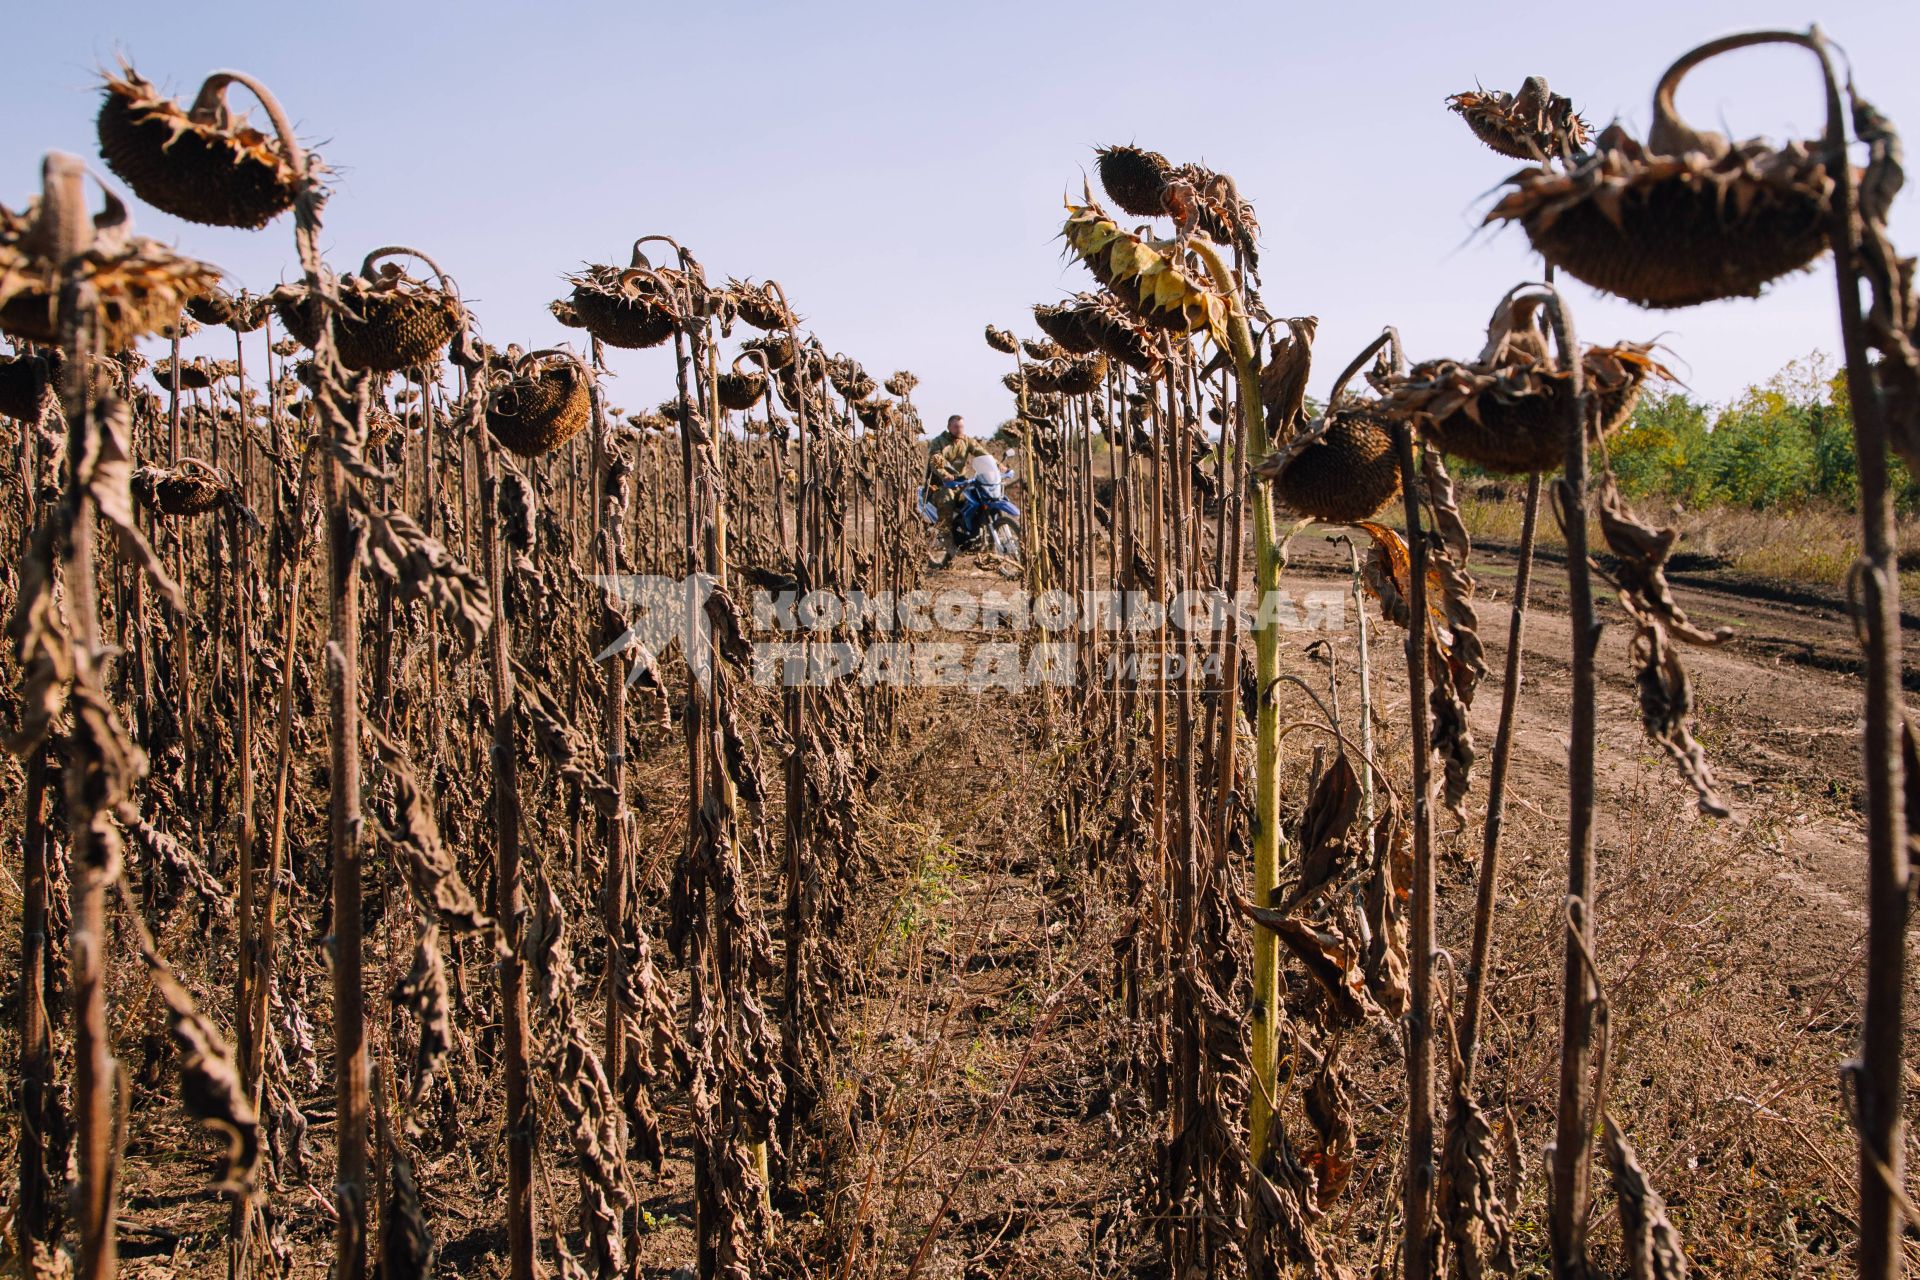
{"points": [[949, 452], [964, 499]]}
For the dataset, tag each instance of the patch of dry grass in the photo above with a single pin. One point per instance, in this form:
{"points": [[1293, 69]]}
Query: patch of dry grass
{"points": [[1726, 1032], [1809, 546]]}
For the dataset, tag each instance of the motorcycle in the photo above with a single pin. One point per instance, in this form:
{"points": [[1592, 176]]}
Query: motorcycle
{"points": [[973, 513]]}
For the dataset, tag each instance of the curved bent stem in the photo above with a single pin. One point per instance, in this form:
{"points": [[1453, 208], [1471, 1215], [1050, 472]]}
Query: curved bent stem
{"points": [[639, 259], [565, 355], [1390, 339], [402, 251], [1878, 1076], [1667, 121], [753, 354], [212, 95]]}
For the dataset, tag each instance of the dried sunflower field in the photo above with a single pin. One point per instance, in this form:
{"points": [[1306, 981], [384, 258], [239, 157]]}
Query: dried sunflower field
{"points": [[454, 825]]}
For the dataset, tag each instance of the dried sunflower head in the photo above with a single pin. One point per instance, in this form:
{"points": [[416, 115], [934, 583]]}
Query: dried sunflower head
{"points": [[1507, 409], [631, 309], [1067, 375], [195, 375], [382, 425], [641, 305], [1134, 178], [25, 383], [1002, 341], [777, 348], [216, 306], [203, 164], [190, 489], [849, 379], [138, 286], [388, 319], [1150, 277], [1117, 333], [1534, 124], [243, 313], [1078, 375], [1340, 468], [1146, 185], [741, 391], [875, 414], [1688, 217], [541, 401], [1065, 324], [759, 306]]}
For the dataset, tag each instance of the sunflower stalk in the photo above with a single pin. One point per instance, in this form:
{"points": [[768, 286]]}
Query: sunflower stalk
{"points": [[509, 887], [1573, 1133], [240, 539], [1419, 1256], [1879, 1073], [1489, 879], [95, 845], [1269, 837]]}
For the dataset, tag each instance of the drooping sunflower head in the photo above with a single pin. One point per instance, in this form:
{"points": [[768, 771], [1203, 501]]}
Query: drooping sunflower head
{"points": [[1152, 278]]}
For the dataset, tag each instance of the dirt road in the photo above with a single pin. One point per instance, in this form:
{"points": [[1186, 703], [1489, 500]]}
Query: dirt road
{"points": [[1731, 949]]}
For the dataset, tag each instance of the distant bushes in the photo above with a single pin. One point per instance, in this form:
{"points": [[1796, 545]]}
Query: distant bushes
{"points": [[1787, 442]]}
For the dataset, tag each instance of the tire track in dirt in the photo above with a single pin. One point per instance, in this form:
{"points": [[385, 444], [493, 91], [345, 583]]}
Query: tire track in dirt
{"points": [[1776, 709]]}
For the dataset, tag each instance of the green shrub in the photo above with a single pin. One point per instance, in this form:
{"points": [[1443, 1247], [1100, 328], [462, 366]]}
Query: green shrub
{"points": [[1782, 443], [1654, 452]]}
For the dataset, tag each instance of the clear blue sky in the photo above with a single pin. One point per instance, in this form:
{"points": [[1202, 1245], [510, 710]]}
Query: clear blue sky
{"points": [[899, 167]]}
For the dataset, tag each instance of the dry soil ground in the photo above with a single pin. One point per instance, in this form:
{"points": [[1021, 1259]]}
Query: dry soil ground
{"points": [[984, 1044]]}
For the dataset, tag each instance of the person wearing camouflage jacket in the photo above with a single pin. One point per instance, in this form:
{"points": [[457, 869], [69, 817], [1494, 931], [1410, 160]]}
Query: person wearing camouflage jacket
{"points": [[949, 452]]}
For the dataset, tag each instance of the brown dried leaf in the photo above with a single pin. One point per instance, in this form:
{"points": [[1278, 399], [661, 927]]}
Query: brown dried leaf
{"points": [[1666, 691], [1324, 829], [423, 993], [1647, 1236], [210, 1085], [599, 1145], [1476, 1218], [40, 646], [419, 567], [406, 1246], [1283, 380], [106, 470], [1328, 1104], [186, 865], [1457, 664], [559, 741], [432, 873], [1332, 959], [1388, 886], [1284, 1206]]}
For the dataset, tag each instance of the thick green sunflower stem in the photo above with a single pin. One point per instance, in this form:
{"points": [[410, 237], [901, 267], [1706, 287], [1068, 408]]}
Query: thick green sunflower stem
{"points": [[1269, 839]]}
